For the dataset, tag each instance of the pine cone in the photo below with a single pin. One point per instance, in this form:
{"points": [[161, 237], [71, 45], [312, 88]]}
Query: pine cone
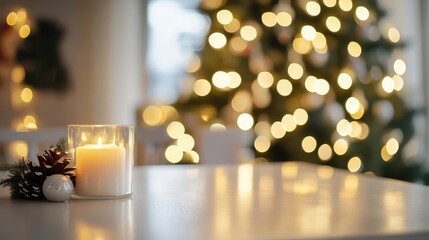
{"points": [[51, 162]]}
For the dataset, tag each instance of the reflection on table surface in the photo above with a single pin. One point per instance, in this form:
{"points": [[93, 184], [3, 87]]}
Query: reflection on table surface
{"points": [[262, 201]]}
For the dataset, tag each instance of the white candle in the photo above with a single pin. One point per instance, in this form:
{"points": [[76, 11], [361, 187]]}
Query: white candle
{"points": [[101, 170]]}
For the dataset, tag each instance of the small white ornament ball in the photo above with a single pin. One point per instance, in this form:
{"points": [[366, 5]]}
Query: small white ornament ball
{"points": [[57, 188]]}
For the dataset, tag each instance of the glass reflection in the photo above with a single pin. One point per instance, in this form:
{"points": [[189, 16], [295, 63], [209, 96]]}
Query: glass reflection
{"points": [[102, 220], [221, 181], [305, 186], [393, 203], [290, 170], [316, 219], [325, 172], [222, 220], [350, 187], [266, 193], [245, 180]]}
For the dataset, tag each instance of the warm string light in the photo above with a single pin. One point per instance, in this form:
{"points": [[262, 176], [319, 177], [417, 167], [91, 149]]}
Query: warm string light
{"points": [[313, 8], [21, 95], [158, 115], [217, 40], [19, 20], [183, 149], [241, 38], [333, 24]]}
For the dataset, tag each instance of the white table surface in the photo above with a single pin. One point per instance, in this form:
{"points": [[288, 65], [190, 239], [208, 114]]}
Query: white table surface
{"points": [[263, 201]]}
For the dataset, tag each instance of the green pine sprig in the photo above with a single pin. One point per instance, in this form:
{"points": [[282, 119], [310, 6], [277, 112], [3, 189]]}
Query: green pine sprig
{"points": [[19, 178], [62, 145], [15, 177]]}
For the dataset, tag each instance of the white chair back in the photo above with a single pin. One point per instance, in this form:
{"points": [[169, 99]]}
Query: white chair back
{"points": [[35, 140]]}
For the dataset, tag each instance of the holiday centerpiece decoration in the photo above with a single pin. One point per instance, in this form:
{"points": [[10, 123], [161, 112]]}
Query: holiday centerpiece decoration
{"points": [[58, 187], [28, 179], [104, 157]]}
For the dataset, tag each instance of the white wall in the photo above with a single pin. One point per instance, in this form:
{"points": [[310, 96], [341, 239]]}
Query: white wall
{"points": [[103, 49], [409, 18], [405, 16]]}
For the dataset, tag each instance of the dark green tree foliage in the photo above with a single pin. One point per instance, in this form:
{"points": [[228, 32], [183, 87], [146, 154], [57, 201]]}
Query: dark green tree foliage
{"points": [[385, 117]]}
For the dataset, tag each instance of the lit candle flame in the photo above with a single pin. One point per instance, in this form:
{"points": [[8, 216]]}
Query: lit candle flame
{"points": [[99, 141], [84, 138]]}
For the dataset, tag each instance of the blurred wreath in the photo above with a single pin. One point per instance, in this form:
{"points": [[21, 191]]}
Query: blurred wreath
{"points": [[39, 55]]}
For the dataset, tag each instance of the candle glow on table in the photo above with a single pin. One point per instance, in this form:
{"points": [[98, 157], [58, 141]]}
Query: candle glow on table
{"points": [[101, 170]]}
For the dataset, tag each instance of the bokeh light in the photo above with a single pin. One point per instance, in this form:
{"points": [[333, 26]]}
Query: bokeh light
{"points": [[341, 146], [277, 130], [354, 49], [262, 144], [394, 35], [288, 122], [220, 79], [245, 121], [217, 40], [399, 66], [333, 24], [242, 101], [300, 116], [295, 71], [248, 33], [233, 26], [19, 149], [212, 4], [343, 127], [224, 17], [398, 82], [354, 164], [24, 31], [265, 79], [308, 32], [325, 152], [11, 19], [309, 144], [17, 74], [302, 46], [185, 142], [284, 19], [269, 19], [234, 79], [319, 43], [21, 15], [352, 105], [284, 87], [362, 13], [330, 3], [392, 146], [237, 44], [202, 87], [217, 127], [344, 80], [26, 95], [388, 84], [173, 154], [175, 129], [345, 5], [313, 8], [152, 115]]}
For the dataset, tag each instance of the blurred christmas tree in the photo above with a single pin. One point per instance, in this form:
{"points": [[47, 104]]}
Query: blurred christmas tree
{"points": [[314, 80]]}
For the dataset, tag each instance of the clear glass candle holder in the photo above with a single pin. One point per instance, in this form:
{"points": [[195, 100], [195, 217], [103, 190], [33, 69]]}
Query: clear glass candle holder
{"points": [[104, 158]]}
